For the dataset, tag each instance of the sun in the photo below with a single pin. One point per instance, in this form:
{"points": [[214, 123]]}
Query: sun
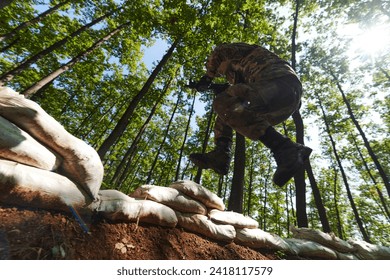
{"points": [[368, 41], [373, 41]]}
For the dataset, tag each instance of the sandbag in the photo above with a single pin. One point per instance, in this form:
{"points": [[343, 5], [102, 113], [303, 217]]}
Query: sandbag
{"points": [[346, 256], [367, 251], [81, 162], [33, 187], [170, 197], [117, 206], [232, 218], [257, 238], [201, 224], [328, 240], [16, 145], [199, 193], [311, 249]]}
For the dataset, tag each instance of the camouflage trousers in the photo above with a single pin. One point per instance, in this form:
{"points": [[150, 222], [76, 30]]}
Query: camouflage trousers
{"points": [[250, 108]]}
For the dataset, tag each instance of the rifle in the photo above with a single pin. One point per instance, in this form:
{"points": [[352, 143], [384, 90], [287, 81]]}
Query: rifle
{"points": [[217, 88]]}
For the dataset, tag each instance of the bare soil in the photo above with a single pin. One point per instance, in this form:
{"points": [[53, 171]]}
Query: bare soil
{"points": [[27, 234]]}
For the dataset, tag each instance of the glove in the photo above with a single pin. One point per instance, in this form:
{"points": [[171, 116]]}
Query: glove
{"points": [[203, 84]]}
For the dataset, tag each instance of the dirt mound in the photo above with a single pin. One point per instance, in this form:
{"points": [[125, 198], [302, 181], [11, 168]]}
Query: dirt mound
{"points": [[38, 234]]}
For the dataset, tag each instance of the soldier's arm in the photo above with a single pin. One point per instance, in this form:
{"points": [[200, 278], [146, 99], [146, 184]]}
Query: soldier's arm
{"points": [[223, 53]]}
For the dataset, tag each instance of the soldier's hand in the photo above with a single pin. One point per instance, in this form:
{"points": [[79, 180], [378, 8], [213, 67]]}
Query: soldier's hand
{"points": [[203, 84]]}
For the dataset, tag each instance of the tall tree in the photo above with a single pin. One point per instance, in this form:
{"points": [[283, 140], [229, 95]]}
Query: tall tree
{"points": [[378, 165], [299, 177], [343, 174], [52, 76], [38, 18], [205, 142], [8, 76], [237, 190], [186, 131], [125, 119]]}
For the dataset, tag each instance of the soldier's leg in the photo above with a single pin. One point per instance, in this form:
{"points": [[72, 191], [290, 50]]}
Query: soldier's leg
{"points": [[252, 109], [219, 158], [289, 156]]}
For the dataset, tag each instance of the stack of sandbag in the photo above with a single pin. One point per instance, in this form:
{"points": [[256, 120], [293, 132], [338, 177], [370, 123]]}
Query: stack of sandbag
{"points": [[191, 202], [257, 238], [170, 197], [322, 244], [367, 251], [201, 211], [29, 186], [334, 247], [117, 206], [41, 164]]}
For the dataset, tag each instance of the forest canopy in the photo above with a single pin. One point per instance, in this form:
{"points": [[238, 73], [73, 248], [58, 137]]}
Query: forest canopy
{"points": [[86, 63]]}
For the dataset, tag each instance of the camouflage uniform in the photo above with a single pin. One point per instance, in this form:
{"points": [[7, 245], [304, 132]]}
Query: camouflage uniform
{"points": [[265, 89]]}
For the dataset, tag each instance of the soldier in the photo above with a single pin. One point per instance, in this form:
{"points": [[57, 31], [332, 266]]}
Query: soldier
{"points": [[263, 91]]}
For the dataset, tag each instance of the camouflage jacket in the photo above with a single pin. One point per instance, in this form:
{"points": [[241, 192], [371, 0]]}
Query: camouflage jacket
{"points": [[241, 62]]}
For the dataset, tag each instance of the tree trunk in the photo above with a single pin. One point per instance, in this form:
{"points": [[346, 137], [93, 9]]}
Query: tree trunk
{"points": [[150, 173], [220, 186], [287, 213], [379, 192], [32, 21], [125, 119], [344, 176], [318, 199], [88, 119], [107, 126], [14, 42], [237, 191], [299, 177], [265, 200], [52, 76], [335, 200], [136, 169], [137, 139], [205, 143], [185, 138], [143, 128], [250, 187], [292, 205], [373, 156], [8, 76]]}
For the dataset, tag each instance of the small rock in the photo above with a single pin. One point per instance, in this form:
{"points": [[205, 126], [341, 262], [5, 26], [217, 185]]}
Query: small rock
{"points": [[119, 246]]}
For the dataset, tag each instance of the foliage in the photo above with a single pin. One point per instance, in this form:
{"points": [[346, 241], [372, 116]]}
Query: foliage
{"points": [[91, 96]]}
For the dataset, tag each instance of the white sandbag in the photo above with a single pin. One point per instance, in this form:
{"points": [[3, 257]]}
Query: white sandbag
{"points": [[170, 197], [117, 206], [33, 187], [201, 224], [367, 251], [346, 256], [81, 162], [311, 249], [257, 238], [16, 145], [199, 193], [232, 218], [328, 240]]}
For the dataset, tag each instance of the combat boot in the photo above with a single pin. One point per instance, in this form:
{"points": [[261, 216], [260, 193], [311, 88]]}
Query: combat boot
{"points": [[289, 157], [217, 160]]}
